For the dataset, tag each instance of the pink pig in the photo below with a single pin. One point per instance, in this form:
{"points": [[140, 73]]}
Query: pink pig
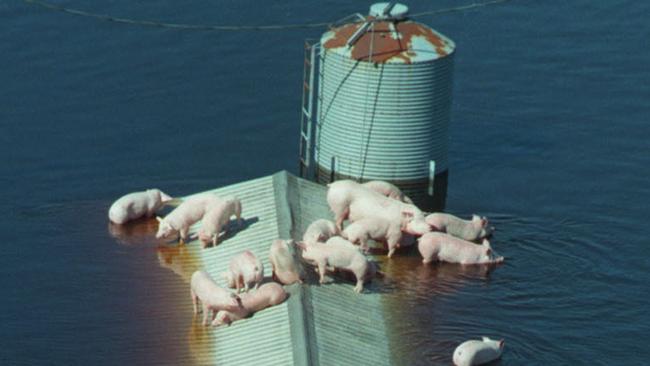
{"points": [[387, 189], [446, 248], [138, 204], [269, 294], [374, 228], [212, 297], [338, 253], [286, 268], [245, 271], [185, 215], [473, 230], [347, 198], [319, 231], [217, 216]]}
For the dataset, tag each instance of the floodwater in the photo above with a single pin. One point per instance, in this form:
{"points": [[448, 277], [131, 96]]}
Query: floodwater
{"points": [[549, 139]]}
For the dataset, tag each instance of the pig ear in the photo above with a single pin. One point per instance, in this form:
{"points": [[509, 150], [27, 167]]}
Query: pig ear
{"points": [[159, 219], [485, 339], [407, 213], [486, 243], [502, 343], [475, 217], [301, 245], [484, 221]]}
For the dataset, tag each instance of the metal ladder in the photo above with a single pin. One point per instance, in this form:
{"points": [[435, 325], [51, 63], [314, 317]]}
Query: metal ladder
{"points": [[307, 108]]}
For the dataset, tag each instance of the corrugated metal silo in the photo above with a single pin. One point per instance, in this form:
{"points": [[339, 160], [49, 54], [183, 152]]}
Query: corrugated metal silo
{"points": [[383, 107]]}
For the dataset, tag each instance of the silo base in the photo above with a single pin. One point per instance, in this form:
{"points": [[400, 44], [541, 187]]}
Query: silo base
{"points": [[417, 190]]}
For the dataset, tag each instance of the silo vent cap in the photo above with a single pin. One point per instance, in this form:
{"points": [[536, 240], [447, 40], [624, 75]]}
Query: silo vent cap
{"points": [[395, 11]]}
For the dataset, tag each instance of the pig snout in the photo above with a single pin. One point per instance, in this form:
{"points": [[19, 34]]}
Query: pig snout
{"points": [[417, 227]]}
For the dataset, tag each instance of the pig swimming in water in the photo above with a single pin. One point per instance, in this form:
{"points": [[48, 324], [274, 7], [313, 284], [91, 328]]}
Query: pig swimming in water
{"points": [[185, 215], [212, 297], [387, 189], [245, 271], [137, 204], [476, 352], [471, 230], [319, 231], [446, 248], [269, 294], [217, 216], [339, 253], [286, 269]]}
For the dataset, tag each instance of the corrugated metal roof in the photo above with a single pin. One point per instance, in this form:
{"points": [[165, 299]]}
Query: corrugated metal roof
{"points": [[317, 325]]}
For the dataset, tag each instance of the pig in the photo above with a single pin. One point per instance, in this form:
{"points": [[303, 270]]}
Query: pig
{"points": [[338, 253], [212, 297], [286, 268], [446, 248], [471, 230], [475, 352], [245, 271], [376, 229], [216, 218], [319, 231], [269, 294], [349, 199], [138, 204], [387, 189], [185, 215]]}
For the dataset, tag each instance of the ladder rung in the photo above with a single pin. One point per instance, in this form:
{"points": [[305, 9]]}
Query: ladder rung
{"points": [[306, 113], [305, 85]]}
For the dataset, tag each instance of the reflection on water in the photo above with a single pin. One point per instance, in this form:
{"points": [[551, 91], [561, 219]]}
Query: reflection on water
{"points": [[180, 259], [137, 232], [201, 341]]}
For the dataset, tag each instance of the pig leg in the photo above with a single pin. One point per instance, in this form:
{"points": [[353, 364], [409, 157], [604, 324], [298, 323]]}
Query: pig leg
{"points": [[206, 313], [359, 287], [183, 235], [321, 270], [363, 241], [195, 300], [340, 217]]}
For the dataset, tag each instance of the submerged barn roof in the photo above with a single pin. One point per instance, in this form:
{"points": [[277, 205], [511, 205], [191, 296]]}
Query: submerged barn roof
{"points": [[317, 325]]}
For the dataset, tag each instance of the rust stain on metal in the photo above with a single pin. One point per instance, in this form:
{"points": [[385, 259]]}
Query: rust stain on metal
{"points": [[382, 40]]}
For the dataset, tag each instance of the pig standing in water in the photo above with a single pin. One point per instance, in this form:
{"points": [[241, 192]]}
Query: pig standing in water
{"points": [[475, 352], [319, 231], [388, 190], [339, 253], [245, 271], [286, 268], [374, 228], [473, 230], [446, 248], [212, 297], [216, 218], [269, 294], [347, 198], [185, 215], [138, 204]]}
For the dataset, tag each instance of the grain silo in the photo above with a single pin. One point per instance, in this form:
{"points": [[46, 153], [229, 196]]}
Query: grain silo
{"points": [[380, 104]]}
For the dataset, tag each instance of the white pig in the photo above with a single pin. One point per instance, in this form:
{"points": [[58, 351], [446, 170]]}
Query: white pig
{"points": [[387, 189], [339, 255], [472, 230], [138, 204], [286, 268], [446, 248], [269, 294], [349, 199], [216, 218], [245, 271], [379, 229], [185, 215], [319, 231], [212, 297], [475, 352]]}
